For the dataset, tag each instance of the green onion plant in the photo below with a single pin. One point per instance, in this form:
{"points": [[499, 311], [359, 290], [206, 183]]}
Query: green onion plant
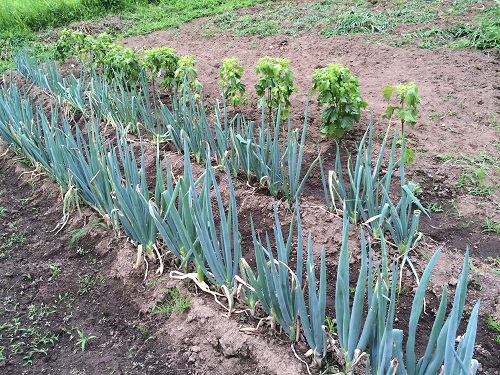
{"points": [[131, 195], [280, 290], [374, 336]]}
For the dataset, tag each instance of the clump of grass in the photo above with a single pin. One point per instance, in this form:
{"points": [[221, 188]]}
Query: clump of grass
{"points": [[494, 325], [176, 301]]}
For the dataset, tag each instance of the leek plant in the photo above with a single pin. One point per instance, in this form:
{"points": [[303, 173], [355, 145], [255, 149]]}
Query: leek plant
{"points": [[279, 289], [130, 197], [172, 213], [184, 122], [187, 225], [19, 126], [441, 355], [276, 165], [85, 158], [376, 339], [276, 285], [221, 248], [354, 334], [359, 193], [364, 196], [46, 75]]}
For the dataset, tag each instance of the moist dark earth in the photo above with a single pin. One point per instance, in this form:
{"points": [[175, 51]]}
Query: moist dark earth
{"points": [[72, 303]]}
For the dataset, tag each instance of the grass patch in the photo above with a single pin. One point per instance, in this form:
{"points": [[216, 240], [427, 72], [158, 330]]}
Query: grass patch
{"points": [[495, 327], [20, 20], [479, 176], [175, 301], [168, 13], [491, 226]]}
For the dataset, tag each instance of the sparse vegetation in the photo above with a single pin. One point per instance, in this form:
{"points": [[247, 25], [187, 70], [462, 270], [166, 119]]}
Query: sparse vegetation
{"points": [[174, 302]]}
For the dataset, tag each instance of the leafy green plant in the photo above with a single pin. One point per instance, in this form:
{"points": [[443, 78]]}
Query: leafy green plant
{"points": [[275, 84], [123, 64], [406, 110], [186, 76], [69, 44], [233, 89], [162, 62], [339, 90], [96, 48]]}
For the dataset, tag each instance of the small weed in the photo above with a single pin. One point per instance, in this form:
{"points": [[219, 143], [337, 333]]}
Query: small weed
{"points": [[86, 283], [494, 325], [175, 302], [330, 323], [81, 251], [82, 339], [3, 211], [495, 264], [10, 242], [25, 201], [494, 121], [436, 116], [54, 271], [434, 207], [491, 226]]}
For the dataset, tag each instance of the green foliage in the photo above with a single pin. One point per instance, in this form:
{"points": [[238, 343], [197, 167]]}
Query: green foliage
{"points": [[186, 75], [96, 47], [408, 100], [339, 90], [162, 62], [233, 89], [359, 21], [69, 44], [275, 84], [123, 64], [491, 226]]}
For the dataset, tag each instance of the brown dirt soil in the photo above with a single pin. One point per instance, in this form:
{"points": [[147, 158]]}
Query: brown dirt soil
{"points": [[98, 293]]}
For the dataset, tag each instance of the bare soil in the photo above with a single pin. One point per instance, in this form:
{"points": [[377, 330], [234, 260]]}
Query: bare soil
{"points": [[98, 293]]}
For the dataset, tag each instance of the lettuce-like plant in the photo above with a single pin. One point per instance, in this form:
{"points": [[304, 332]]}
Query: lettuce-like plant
{"points": [[275, 84], [339, 90], [233, 89], [162, 62]]}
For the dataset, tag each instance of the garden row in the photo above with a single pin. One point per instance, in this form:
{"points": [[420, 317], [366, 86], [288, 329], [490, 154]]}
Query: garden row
{"points": [[337, 89], [111, 178]]}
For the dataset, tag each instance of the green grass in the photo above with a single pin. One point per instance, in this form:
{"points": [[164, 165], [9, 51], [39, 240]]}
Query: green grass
{"points": [[175, 301], [168, 13], [494, 325], [479, 175], [491, 226], [20, 20]]}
